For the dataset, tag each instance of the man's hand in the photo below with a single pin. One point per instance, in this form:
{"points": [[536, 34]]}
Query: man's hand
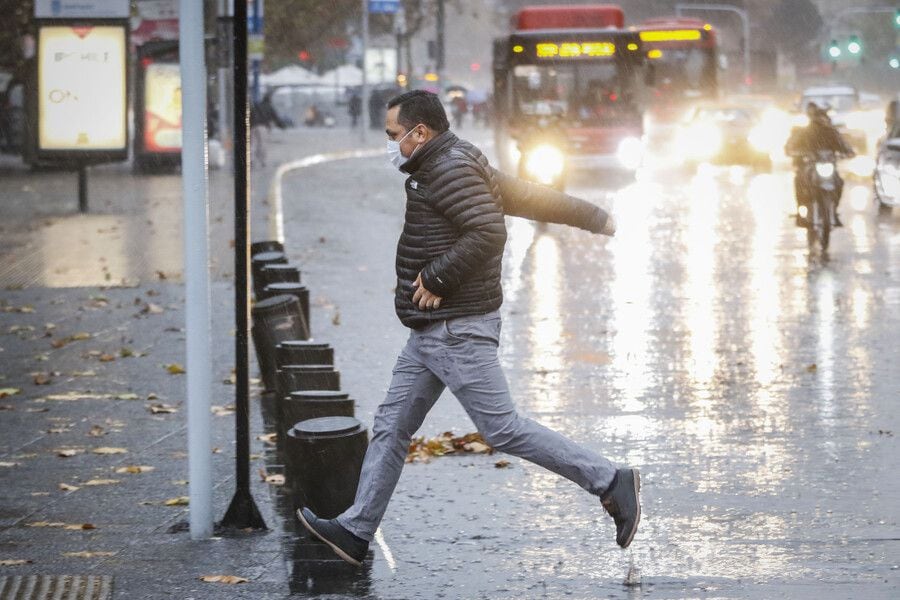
{"points": [[423, 298]]}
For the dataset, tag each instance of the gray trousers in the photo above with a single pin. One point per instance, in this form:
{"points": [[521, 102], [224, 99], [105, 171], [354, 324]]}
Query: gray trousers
{"points": [[460, 354]]}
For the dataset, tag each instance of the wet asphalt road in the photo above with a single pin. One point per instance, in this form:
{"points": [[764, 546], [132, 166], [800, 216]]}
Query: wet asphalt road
{"points": [[753, 382]]}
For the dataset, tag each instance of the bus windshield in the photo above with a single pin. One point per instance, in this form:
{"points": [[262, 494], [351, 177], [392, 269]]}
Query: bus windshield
{"points": [[683, 72], [582, 93]]}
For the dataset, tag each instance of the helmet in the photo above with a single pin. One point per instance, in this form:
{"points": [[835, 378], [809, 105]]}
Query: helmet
{"points": [[817, 111]]}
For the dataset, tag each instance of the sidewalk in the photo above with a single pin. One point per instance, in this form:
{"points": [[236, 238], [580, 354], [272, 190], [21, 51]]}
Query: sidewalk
{"points": [[92, 437]]}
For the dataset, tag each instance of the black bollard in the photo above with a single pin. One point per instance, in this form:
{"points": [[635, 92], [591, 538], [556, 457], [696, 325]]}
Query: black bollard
{"points": [[275, 320], [303, 352], [297, 378], [261, 260], [313, 404], [323, 460], [291, 289], [275, 273], [266, 246]]}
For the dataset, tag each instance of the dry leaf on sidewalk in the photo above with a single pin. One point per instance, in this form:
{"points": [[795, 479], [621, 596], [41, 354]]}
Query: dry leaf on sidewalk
{"points": [[229, 579], [65, 487], [502, 464], [163, 409], [101, 482], [222, 411], [42, 378], [175, 369], [109, 450], [177, 501], [4, 392], [86, 554], [96, 431], [8, 464], [14, 562], [68, 452], [134, 469], [268, 438]]}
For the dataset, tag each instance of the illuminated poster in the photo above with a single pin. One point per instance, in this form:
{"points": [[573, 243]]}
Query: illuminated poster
{"points": [[162, 107], [82, 94]]}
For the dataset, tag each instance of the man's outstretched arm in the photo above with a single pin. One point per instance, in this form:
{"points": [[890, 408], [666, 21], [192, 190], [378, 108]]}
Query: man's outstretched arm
{"points": [[541, 203]]}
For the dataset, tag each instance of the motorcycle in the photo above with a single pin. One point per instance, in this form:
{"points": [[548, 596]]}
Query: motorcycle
{"points": [[542, 149], [816, 212], [886, 178]]}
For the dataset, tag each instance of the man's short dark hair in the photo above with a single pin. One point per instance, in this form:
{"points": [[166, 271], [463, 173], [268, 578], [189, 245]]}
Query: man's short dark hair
{"points": [[419, 106]]}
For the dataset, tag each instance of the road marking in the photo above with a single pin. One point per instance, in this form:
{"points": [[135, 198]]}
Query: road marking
{"points": [[388, 556], [276, 212]]}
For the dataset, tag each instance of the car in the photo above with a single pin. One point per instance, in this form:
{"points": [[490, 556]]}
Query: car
{"points": [[725, 133]]}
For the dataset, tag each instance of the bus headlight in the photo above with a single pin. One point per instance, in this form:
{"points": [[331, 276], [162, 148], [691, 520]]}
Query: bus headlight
{"points": [[545, 163], [825, 170], [630, 153]]}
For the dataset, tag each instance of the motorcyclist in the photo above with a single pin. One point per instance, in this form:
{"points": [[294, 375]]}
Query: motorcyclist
{"points": [[819, 136]]}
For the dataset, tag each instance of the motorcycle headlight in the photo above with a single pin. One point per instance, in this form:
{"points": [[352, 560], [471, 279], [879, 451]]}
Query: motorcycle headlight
{"points": [[630, 153], [825, 170], [545, 163]]}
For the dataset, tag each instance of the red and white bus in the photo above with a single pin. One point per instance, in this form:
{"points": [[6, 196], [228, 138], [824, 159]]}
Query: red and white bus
{"points": [[683, 66], [574, 75]]}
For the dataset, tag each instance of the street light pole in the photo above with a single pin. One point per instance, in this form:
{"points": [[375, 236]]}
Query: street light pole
{"points": [[364, 121], [745, 22]]}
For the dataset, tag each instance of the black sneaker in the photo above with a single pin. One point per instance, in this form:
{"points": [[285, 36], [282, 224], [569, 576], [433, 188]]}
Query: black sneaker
{"points": [[622, 501], [346, 545]]}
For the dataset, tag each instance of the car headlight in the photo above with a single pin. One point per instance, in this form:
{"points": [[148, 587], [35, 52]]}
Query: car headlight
{"points": [[825, 170], [630, 153], [545, 163], [702, 141]]}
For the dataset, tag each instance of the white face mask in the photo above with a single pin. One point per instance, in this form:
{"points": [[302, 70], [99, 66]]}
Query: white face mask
{"points": [[393, 150]]}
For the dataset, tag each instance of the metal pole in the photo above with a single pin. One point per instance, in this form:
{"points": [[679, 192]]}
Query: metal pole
{"points": [[242, 513], [225, 24], [196, 266], [440, 62], [365, 80], [257, 29], [745, 24], [82, 188]]}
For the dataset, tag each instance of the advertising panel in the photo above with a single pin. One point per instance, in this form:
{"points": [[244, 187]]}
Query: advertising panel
{"points": [[82, 88], [162, 112]]}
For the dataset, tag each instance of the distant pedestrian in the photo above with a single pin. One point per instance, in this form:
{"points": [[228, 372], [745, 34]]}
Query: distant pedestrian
{"points": [[262, 115], [459, 107], [355, 109], [449, 293]]}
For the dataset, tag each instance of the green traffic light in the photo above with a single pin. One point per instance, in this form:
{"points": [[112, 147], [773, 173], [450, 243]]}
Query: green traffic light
{"points": [[894, 63], [834, 50], [854, 47]]}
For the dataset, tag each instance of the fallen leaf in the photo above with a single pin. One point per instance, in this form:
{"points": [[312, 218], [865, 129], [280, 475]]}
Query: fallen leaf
{"points": [[6, 464], [336, 319], [229, 579], [86, 554], [97, 431], [42, 378], [478, 448], [81, 335], [502, 464], [37, 410], [7, 407], [274, 479], [134, 469], [84, 374], [40, 493], [152, 309], [152, 396], [175, 369], [157, 409], [109, 450], [268, 438], [812, 368], [58, 430], [82, 527], [68, 452], [126, 352], [222, 411], [180, 482], [127, 396], [177, 501], [107, 358], [14, 562], [4, 392], [101, 482], [161, 275], [65, 487]]}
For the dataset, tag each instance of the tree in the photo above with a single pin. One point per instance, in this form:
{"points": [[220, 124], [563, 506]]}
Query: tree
{"points": [[293, 26]]}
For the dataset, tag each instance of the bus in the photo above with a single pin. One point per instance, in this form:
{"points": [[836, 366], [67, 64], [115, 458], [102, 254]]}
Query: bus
{"points": [[683, 66], [567, 92]]}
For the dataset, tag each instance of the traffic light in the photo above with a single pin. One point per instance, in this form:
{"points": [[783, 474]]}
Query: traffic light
{"points": [[834, 51], [894, 62], [897, 18], [854, 46]]}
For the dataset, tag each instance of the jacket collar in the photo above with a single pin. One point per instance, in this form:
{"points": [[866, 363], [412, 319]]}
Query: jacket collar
{"points": [[436, 144]]}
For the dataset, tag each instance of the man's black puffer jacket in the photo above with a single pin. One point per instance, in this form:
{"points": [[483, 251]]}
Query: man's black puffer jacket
{"points": [[454, 232]]}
